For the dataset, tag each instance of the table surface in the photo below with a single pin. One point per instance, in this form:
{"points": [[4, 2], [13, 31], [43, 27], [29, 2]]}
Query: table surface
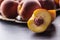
{"points": [[15, 31]]}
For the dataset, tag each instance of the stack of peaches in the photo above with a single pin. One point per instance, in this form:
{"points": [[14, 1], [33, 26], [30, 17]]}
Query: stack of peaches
{"points": [[39, 14]]}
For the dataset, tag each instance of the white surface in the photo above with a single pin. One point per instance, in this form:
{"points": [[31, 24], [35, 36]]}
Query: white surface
{"points": [[13, 31]]}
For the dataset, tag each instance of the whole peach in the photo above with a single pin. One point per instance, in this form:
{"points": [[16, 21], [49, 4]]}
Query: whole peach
{"points": [[9, 9], [47, 4], [26, 8]]}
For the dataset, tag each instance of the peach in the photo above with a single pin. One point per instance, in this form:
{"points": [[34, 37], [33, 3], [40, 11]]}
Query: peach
{"points": [[53, 14], [9, 9], [47, 4], [26, 8], [39, 21], [57, 3]]}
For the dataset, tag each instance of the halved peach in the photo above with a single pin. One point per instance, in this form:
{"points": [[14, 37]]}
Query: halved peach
{"points": [[39, 21]]}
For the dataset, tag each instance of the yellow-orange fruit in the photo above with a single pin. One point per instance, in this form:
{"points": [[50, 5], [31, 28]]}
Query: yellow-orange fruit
{"points": [[57, 1], [39, 21], [53, 14]]}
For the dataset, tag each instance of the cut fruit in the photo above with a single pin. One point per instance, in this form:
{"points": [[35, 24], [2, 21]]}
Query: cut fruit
{"points": [[53, 14], [39, 21]]}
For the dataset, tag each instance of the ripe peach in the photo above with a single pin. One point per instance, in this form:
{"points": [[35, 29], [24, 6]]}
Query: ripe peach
{"points": [[47, 4], [53, 14], [9, 9], [57, 3], [25, 9], [39, 21]]}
